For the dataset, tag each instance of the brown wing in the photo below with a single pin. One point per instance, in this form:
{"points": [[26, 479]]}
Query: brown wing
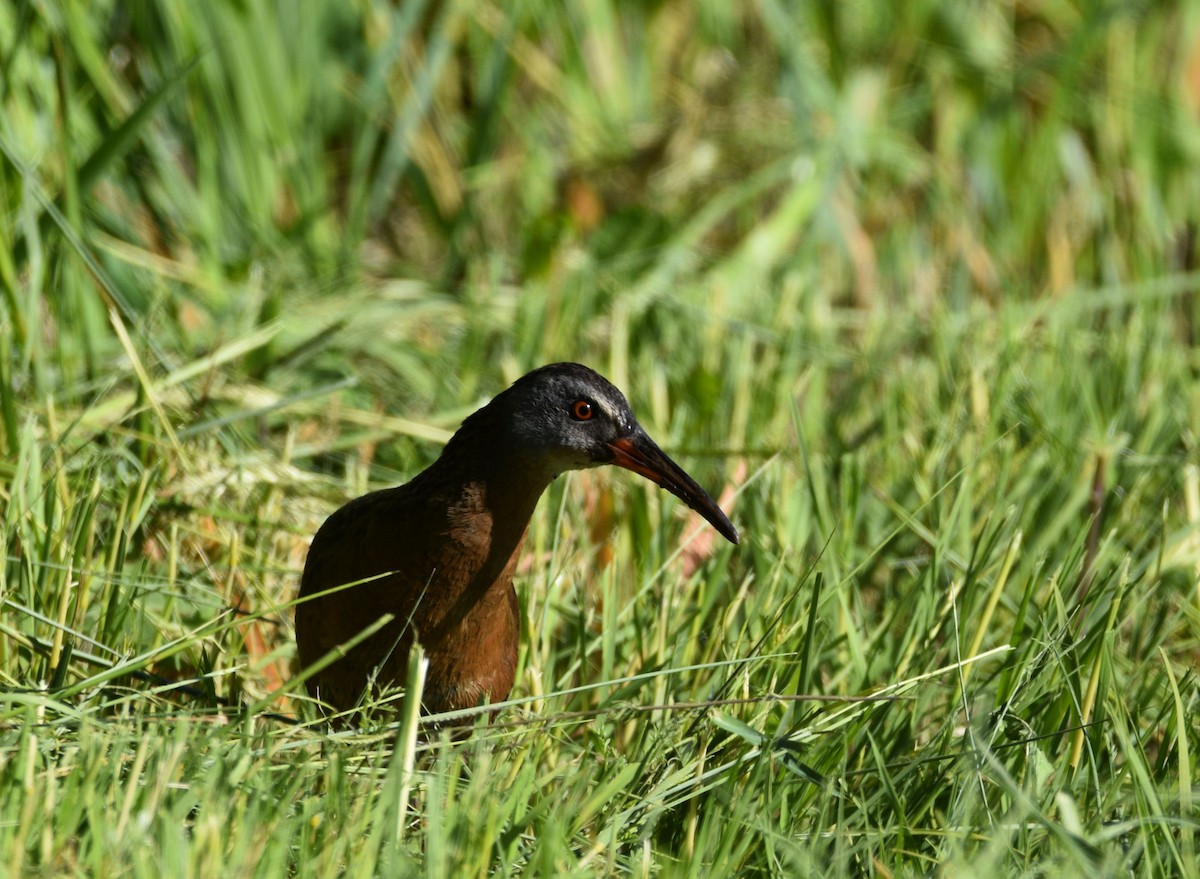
{"points": [[368, 537]]}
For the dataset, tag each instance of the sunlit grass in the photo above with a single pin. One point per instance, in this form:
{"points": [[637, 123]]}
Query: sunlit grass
{"points": [[912, 290]]}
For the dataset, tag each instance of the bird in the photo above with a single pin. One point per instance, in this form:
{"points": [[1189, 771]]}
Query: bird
{"points": [[439, 552]]}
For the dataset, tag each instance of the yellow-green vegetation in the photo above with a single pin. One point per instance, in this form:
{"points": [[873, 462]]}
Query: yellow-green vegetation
{"points": [[914, 283]]}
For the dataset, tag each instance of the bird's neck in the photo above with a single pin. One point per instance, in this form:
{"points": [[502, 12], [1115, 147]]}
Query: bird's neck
{"points": [[488, 500], [488, 463], [503, 485]]}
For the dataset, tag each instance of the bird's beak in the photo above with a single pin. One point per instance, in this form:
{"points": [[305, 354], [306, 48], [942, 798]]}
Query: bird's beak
{"points": [[640, 454]]}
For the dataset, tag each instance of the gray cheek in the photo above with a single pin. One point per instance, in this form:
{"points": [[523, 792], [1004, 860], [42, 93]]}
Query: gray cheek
{"points": [[563, 460]]}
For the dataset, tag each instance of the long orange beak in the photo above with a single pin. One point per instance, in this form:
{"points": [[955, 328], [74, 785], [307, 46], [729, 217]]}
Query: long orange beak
{"points": [[640, 454]]}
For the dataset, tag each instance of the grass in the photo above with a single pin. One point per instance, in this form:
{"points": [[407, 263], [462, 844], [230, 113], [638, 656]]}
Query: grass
{"points": [[914, 290]]}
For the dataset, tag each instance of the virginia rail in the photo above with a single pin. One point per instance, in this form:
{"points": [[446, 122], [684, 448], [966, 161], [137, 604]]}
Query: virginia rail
{"points": [[447, 542]]}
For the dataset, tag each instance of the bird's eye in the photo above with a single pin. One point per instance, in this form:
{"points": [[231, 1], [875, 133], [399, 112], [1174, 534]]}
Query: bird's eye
{"points": [[582, 410]]}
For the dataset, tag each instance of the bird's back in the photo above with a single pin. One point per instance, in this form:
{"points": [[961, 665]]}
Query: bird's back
{"points": [[428, 556]]}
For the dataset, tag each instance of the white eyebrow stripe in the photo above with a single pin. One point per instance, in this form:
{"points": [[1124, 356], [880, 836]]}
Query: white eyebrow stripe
{"points": [[610, 412]]}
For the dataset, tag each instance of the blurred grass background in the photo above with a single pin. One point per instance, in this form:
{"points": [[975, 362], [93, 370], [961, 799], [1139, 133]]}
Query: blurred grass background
{"points": [[916, 283]]}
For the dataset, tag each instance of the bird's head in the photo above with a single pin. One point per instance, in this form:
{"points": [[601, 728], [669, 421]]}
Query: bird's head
{"points": [[566, 416]]}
